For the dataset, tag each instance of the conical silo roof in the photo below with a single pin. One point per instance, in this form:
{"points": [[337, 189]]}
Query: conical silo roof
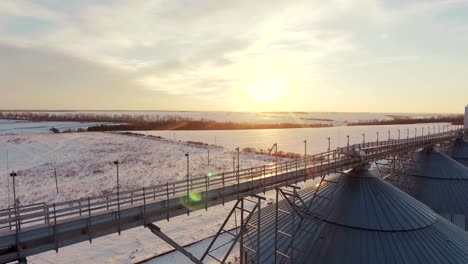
{"points": [[362, 219], [459, 151], [438, 181]]}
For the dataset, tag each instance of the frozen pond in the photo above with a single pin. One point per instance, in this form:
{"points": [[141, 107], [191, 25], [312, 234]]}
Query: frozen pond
{"points": [[292, 140]]}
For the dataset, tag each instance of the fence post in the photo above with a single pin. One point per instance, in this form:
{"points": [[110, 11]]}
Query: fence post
{"points": [[79, 205], [167, 201], [144, 207], [297, 172], [252, 176], [55, 229], [9, 217], [89, 221], [206, 193], [222, 174], [45, 214]]}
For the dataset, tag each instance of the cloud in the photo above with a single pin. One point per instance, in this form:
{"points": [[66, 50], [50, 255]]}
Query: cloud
{"points": [[207, 48], [387, 60]]}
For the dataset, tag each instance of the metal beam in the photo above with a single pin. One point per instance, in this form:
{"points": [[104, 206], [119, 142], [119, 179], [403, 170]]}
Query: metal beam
{"points": [[157, 231]]}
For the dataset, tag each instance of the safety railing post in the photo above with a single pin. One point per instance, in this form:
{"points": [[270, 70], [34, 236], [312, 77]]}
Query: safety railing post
{"points": [[45, 214], [55, 228], [144, 206], [89, 221], [222, 175], [167, 201], [206, 193], [79, 205], [9, 218]]}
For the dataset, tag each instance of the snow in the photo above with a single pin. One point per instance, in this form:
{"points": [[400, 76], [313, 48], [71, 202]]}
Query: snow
{"points": [[14, 127], [292, 140], [84, 163]]}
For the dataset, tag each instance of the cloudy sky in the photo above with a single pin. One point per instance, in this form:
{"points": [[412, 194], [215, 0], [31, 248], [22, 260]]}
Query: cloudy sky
{"points": [[343, 55]]}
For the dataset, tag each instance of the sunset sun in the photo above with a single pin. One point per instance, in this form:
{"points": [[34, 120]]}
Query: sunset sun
{"points": [[269, 89]]}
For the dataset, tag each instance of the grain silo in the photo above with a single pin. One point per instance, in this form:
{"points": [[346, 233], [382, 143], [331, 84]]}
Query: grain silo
{"points": [[466, 118], [459, 151], [440, 182], [355, 217]]}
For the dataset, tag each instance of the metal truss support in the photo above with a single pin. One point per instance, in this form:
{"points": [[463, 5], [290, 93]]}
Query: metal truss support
{"points": [[240, 231], [298, 211], [157, 231]]}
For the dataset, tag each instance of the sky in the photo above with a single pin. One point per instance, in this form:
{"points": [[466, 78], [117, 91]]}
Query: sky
{"points": [[214, 55]]}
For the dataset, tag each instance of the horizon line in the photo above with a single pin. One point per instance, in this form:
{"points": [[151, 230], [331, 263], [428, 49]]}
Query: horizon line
{"points": [[221, 111]]}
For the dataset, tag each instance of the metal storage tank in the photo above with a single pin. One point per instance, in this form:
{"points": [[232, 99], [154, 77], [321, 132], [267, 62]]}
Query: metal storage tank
{"points": [[459, 151], [356, 218], [466, 118], [439, 182]]}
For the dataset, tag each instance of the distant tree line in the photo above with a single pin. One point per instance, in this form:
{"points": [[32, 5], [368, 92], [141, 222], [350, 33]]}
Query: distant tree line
{"points": [[145, 122], [197, 125], [455, 120]]}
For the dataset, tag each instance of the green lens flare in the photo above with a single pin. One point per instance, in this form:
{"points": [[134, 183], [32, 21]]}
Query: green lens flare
{"points": [[195, 196], [193, 202], [211, 172]]}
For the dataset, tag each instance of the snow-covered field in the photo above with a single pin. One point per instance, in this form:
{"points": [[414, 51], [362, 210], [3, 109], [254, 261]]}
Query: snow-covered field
{"points": [[15, 127], [251, 117], [84, 163]]}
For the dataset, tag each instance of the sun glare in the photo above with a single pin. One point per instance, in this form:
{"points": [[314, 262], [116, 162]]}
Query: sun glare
{"points": [[268, 89]]}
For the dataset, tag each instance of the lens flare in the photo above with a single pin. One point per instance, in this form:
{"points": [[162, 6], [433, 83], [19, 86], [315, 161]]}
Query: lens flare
{"points": [[211, 172], [195, 196], [194, 201]]}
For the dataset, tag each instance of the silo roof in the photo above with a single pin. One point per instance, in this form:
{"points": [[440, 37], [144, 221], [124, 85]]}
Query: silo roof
{"points": [[365, 220], [370, 204], [442, 196], [434, 164], [459, 151], [438, 181]]}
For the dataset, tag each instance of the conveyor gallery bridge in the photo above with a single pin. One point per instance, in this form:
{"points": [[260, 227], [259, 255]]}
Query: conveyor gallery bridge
{"points": [[37, 228]]}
